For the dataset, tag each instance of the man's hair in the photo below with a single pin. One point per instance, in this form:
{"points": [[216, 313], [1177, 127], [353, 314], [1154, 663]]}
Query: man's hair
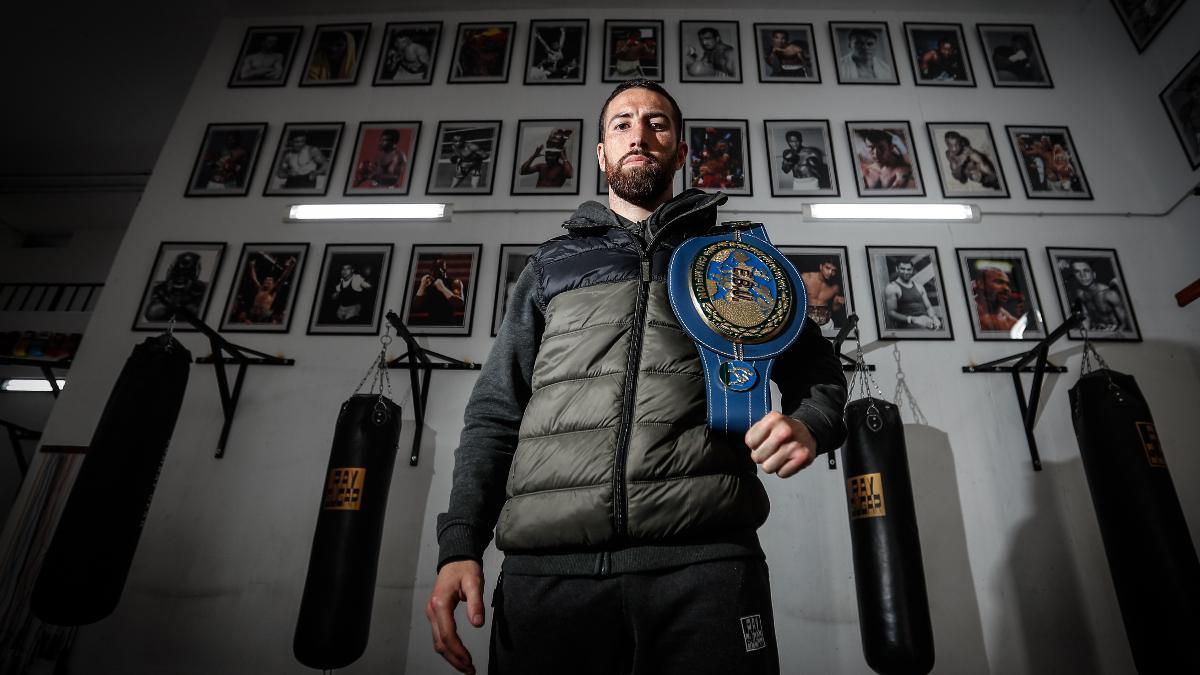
{"points": [[392, 134], [793, 133], [861, 32], [708, 30], [642, 83], [875, 136], [954, 134]]}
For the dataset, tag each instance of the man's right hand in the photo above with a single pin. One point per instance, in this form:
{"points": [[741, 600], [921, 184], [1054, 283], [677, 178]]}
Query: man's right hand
{"points": [[456, 582]]}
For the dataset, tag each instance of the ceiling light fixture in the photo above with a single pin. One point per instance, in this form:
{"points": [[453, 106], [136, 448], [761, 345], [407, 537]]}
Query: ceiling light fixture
{"points": [[298, 213], [875, 212]]}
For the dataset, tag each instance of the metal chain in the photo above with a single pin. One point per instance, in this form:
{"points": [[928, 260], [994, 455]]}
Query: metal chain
{"points": [[170, 334], [902, 390], [1087, 367], [862, 376]]}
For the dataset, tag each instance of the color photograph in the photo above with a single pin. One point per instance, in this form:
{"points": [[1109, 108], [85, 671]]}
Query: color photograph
{"points": [[1050, 166], [909, 295], [1014, 55], [482, 52], [1002, 298], [718, 156], [800, 153], [266, 56], [350, 292], [709, 51], [408, 53], [633, 49], [1091, 279], [513, 259], [336, 55], [464, 158], [885, 159], [547, 157], [825, 271], [966, 160], [182, 276], [304, 159], [863, 51], [938, 55], [263, 292], [787, 52], [557, 52], [439, 298], [225, 163], [383, 156]]}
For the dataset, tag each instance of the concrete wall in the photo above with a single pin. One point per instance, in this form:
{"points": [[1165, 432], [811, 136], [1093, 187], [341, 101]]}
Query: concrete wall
{"points": [[1016, 570]]}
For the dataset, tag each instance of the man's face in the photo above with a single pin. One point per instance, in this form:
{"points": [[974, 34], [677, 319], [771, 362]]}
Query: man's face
{"points": [[863, 45], [298, 142], [779, 39], [947, 50], [1083, 273], [954, 143], [828, 271], [337, 48], [905, 270], [402, 41], [269, 42], [347, 271], [640, 151], [708, 40], [386, 142], [880, 151], [794, 141], [996, 285]]}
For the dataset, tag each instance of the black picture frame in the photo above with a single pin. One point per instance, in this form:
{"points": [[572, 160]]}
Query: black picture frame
{"points": [[394, 67], [286, 177], [1180, 103], [881, 262], [987, 180], [810, 262], [1105, 267], [476, 52], [778, 135], [203, 266], [222, 170], [508, 269], [1017, 63], [999, 284], [1142, 28], [840, 34], [1050, 181], [453, 161], [698, 63], [705, 167], [797, 61], [331, 313], [545, 65], [545, 138], [277, 70], [365, 178], [455, 258], [861, 135], [243, 313], [647, 45], [943, 70], [319, 71]]}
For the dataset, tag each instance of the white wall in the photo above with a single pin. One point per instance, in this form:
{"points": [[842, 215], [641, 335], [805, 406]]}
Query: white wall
{"points": [[1016, 571]]}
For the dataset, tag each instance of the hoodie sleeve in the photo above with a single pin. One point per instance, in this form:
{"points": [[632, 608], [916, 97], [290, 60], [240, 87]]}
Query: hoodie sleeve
{"points": [[813, 387]]}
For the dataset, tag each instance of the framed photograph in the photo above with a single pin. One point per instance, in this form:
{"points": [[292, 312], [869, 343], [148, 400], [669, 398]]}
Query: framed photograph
{"points": [[938, 55], [1014, 55], [350, 291], [482, 52], [709, 51], [633, 49], [336, 54], [787, 52], [1143, 20], [967, 162], [547, 158], [557, 52], [718, 156], [800, 153], [439, 298], [183, 276], [1002, 298], [408, 53], [225, 163], [266, 56], [863, 50], [909, 295], [513, 259], [825, 271], [1181, 98], [304, 158], [885, 159], [263, 292], [383, 155], [1092, 279], [601, 182], [464, 158], [1049, 164]]}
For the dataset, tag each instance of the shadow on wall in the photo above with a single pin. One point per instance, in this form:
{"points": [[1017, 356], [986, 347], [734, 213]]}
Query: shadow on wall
{"points": [[954, 609]]}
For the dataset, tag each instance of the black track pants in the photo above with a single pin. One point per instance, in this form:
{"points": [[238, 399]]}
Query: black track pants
{"points": [[712, 617]]}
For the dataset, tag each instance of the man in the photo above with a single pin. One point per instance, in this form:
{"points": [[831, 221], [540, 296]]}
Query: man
{"points": [[861, 63], [406, 60], [262, 305], [1014, 62], [628, 526], [786, 57], [1102, 304], [717, 59], [884, 167], [943, 62], [468, 160], [824, 287], [350, 293], [386, 168], [336, 57], [182, 287], [266, 63], [556, 169], [968, 164], [906, 302], [301, 163], [992, 289], [227, 168], [804, 163], [629, 53], [438, 299]]}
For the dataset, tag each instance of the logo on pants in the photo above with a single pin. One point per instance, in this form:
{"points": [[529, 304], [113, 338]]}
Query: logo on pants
{"points": [[752, 632]]}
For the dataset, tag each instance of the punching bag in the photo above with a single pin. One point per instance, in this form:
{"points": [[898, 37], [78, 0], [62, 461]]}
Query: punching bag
{"points": [[85, 567], [1150, 553], [335, 610], [893, 609]]}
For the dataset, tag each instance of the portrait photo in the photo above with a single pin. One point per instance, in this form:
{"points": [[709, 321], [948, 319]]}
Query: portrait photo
{"points": [[408, 53], [263, 292], [966, 159], [718, 156], [938, 54], [786, 52], [1049, 164], [513, 259], [383, 156], [709, 51], [1181, 98], [440, 293], [182, 276], [1002, 298], [464, 158], [863, 51], [800, 154], [225, 163], [335, 55], [557, 52], [825, 271], [304, 159], [1091, 279], [1014, 55], [547, 157], [266, 56], [1144, 18], [350, 291], [909, 295], [633, 49], [482, 52], [885, 159]]}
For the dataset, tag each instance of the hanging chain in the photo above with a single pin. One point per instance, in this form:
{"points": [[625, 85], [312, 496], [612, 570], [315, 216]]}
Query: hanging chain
{"points": [[862, 375], [903, 393], [1087, 367]]}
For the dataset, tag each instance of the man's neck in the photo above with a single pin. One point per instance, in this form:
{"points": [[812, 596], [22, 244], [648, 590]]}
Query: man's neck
{"points": [[902, 282], [635, 212]]}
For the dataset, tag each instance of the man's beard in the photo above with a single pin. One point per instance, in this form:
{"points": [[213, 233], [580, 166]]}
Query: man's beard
{"points": [[643, 184]]}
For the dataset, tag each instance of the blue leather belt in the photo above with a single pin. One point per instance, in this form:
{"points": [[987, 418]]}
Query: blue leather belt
{"points": [[743, 303]]}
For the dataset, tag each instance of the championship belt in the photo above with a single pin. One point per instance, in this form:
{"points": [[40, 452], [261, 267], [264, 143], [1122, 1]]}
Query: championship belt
{"points": [[743, 303]]}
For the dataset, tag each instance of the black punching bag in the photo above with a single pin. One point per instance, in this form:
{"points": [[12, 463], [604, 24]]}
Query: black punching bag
{"points": [[335, 611], [893, 609], [1154, 566], [85, 567]]}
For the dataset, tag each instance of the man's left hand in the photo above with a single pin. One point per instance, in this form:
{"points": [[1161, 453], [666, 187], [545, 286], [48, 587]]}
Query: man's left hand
{"points": [[781, 444]]}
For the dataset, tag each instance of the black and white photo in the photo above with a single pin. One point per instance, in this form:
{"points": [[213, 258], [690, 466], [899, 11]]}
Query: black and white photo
{"points": [[633, 49], [547, 157], [226, 160], [408, 53], [1091, 279], [1014, 55], [350, 291], [266, 56], [464, 158], [336, 55], [557, 52], [263, 293], [938, 54], [304, 159], [909, 294], [825, 271], [786, 52], [709, 51], [183, 275], [482, 52], [800, 154], [863, 52], [439, 297], [965, 156], [513, 259], [1181, 98], [1144, 18], [1002, 297]]}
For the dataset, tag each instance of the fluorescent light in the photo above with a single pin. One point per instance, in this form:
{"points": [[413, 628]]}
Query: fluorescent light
{"points": [[30, 384], [891, 212], [305, 212]]}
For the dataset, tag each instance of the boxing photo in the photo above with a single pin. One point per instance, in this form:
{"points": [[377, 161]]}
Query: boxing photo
{"points": [[786, 52], [1014, 55], [513, 259], [335, 55], [800, 155], [439, 298], [482, 52], [263, 291], [1049, 164], [350, 290], [408, 53], [547, 157], [1002, 298], [884, 159], [304, 159], [938, 55], [909, 295], [632, 49], [557, 52], [1091, 279], [266, 56], [964, 154], [825, 271], [709, 51], [383, 157], [225, 163], [182, 276], [464, 158], [718, 156]]}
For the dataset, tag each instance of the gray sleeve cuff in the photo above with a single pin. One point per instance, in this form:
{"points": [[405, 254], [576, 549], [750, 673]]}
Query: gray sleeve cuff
{"points": [[458, 541]]}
